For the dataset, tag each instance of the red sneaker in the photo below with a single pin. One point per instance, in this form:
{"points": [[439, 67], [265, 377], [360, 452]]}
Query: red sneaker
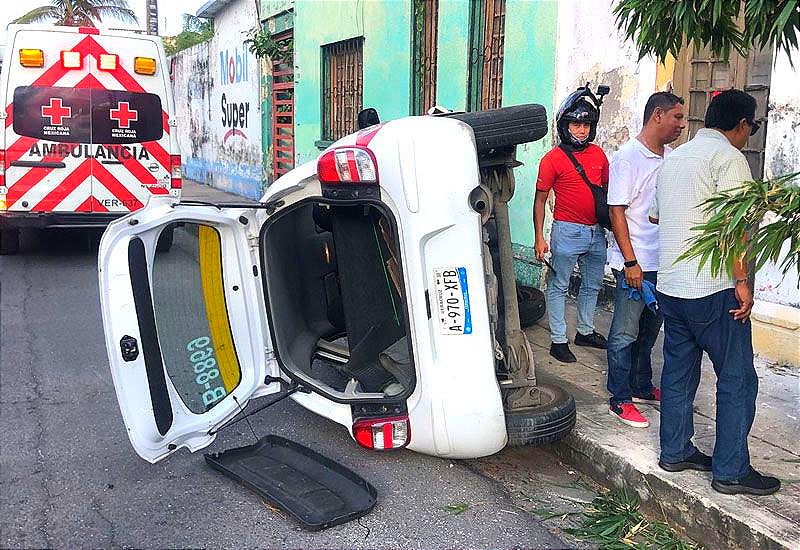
{"points": [[652, 398], [629, 414]]}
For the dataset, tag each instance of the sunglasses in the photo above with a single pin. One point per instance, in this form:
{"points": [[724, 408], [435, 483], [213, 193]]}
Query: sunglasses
{"points": [[754, 125]]}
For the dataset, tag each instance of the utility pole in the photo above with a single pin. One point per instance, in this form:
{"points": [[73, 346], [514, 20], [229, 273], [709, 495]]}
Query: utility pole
{"points": [[151, 17]]}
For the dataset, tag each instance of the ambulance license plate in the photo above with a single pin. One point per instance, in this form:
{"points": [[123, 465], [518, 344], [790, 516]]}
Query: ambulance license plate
{"points": [[452, 300]]}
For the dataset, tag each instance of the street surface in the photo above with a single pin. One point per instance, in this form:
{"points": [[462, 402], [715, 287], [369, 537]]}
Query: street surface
{"points": [[69, 477]]}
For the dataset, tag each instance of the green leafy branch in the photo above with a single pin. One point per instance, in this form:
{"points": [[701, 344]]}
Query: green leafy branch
{"points": [[740, 212], [660, 27], [260, 42]]}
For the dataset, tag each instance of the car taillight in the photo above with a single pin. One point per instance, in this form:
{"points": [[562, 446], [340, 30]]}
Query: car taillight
{"points": [[382, 434], [175, 171], [348, 165], [71, 60]]}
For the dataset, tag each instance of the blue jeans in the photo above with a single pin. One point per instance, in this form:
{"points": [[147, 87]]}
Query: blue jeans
{"points": [[634, 331], [570, 243], [690, 328]]}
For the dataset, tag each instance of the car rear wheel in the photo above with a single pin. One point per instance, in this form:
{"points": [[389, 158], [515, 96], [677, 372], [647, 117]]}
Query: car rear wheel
{"points": [[506, 126], [9, 241], [547, 422]]}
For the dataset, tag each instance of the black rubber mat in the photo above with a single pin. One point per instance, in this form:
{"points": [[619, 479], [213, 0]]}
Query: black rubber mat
{"points": [[315, 490]]}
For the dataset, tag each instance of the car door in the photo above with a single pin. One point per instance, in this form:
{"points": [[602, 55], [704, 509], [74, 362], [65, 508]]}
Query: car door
{"points": [[186, 330]]}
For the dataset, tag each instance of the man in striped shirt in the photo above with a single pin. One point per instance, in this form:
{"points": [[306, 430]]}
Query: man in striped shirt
{"points": [[706, 313]]}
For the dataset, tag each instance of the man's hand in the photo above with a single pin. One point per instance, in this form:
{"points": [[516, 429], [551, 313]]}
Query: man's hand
{"points": [[633, 275], [745, 299], [541, 248]]}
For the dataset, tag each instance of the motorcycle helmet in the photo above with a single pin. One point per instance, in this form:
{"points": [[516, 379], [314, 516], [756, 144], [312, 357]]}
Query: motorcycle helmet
{"points": [[577, 108]]}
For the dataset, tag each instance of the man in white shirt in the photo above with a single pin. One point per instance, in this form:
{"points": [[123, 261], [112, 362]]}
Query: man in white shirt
{"points": [[706, 313], [633, 257]]}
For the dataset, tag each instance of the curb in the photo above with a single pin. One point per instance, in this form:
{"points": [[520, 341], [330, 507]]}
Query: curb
{"points": [[729, 522]]}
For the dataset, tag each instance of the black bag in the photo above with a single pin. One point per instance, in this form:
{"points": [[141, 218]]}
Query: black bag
{"points": [[599, 192]]}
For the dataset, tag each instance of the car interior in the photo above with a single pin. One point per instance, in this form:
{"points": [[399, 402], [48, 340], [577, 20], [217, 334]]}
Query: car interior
{"points": [[334, 289]]}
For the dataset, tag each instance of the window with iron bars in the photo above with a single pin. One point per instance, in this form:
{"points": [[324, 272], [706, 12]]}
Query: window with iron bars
{"points": [[423, 51], [342, 87], [487, 43]]}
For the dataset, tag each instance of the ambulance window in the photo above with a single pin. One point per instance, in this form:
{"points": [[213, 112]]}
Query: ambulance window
{"points": [[119, 116], [52, 113], [192, 318]]}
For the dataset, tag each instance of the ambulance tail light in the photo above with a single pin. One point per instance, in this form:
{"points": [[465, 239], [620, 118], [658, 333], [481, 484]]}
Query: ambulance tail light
{"points": [[348, 165], [176, 181], [382, 434], [71, 60], [144, 65], [107, 62], [31, 57], [3, 180]]}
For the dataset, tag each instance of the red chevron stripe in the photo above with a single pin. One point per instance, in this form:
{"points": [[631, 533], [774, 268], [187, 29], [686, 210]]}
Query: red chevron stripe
{"points": [[19, 148], [158, 152], [30, 178], [90, 81], [9, 115], [85, 206], [63, 189], [107, 179]]}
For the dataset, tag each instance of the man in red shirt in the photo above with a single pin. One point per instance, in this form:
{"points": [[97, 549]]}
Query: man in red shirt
{"points": [[575, 236]]}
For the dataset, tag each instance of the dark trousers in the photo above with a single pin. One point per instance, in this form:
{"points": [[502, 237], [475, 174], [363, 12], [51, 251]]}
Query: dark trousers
{"points": [[634, 331], [692, 326]]}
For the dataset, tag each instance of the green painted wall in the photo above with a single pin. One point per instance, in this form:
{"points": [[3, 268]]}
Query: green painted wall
{"points": [[529, 67], [386, 28], [452, 54]]}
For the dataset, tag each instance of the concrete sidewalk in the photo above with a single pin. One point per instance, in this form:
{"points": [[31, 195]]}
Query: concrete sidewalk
{"points": [[620, 456]]}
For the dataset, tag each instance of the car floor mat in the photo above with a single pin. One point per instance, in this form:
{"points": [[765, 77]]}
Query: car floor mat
{"points": [[316, 491]]}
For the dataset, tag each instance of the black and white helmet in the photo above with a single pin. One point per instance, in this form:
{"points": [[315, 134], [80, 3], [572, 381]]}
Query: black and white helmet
{"points": [[580, 106]]}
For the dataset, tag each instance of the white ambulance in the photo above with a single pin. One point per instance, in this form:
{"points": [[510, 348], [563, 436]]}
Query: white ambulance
{"points": [[89, 131]]}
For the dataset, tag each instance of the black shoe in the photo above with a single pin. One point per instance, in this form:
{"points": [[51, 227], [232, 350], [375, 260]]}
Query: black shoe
{"points": [[698, 461], [751, 484], [593, 340], [562, 353]]}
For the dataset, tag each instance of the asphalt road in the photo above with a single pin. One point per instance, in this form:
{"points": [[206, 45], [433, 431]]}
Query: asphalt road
{"points": [[69, 477]]}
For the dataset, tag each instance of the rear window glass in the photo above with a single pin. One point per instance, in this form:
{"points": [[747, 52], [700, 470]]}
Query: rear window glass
{"points": [[87, 115]]}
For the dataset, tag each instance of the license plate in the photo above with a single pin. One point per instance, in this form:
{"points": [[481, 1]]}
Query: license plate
{"points": [[452, 300]]}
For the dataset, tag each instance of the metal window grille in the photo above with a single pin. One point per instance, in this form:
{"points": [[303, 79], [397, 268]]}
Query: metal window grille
{"points": [[342, 87], [283, 106], [487, 34], [424, 51]]}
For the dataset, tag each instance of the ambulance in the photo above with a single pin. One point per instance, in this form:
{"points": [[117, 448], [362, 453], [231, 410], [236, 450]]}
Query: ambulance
{"points": [[89, 128]]}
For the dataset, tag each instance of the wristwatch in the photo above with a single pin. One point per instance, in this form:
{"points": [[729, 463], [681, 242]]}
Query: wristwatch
{"points": [[631, 263]]}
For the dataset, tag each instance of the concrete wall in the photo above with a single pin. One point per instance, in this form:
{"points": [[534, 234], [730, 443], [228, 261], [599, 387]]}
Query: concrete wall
{"points": [[782, 156], [216, 90]]}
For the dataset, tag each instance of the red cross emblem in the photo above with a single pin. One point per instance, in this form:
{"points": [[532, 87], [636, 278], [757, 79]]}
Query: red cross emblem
{"points": [[56, 111], [123, 114]]}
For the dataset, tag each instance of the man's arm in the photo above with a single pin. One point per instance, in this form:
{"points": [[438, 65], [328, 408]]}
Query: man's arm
{"points": [[619, 225], [540, 245]]}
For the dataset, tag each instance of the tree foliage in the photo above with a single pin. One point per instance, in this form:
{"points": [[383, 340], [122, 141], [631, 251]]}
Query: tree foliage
{"points": [[742, 211], [194, 31], [79, 13], [659, 27], [260, 42]]}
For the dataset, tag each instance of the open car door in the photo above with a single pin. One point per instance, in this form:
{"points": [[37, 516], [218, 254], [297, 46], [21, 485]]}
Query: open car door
{"points": [[186, 333]]}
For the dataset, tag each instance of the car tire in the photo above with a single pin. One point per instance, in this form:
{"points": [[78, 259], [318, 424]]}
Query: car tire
{"points": [[531, 305], [506, 126], [9, 241], [165, 239], [545, 423]]}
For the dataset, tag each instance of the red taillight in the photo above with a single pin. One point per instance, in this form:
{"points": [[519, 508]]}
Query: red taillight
{"points": [[348, 165], [175, 171], [382, 434]]}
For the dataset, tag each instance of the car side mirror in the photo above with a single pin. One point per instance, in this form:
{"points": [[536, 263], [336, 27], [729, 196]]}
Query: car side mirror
{"points": [[368, 117]]}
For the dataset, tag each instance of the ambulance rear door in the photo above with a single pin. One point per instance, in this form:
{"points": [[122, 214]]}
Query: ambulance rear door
{"points": [[48, 121]]}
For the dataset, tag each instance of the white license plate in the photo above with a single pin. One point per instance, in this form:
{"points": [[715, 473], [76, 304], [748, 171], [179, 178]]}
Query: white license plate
{"points": [[452, 300]]}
